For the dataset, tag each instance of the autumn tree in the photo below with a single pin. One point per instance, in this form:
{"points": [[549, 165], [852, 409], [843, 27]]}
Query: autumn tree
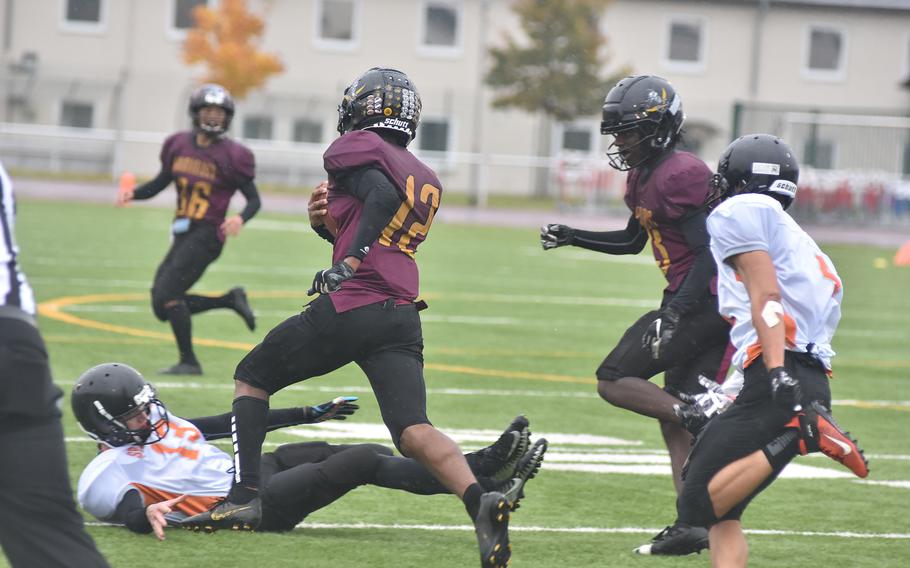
{"points": [[226, 40], [556, 69]]}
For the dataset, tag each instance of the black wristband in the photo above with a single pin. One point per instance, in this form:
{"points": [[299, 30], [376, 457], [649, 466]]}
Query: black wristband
{"points": [[325, 233]]}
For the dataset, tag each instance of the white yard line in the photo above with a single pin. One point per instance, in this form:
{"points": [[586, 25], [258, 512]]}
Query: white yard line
{"points": [[571, 530]]}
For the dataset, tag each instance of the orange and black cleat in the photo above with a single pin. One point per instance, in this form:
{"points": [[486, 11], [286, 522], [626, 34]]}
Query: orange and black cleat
{"points": [[820, 433]]}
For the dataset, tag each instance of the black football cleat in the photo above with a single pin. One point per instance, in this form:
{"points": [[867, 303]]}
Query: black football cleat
{"points": [[227, 515], [504, 463], [676, 540], [182, 369], [242, 307], [528, 466], [492, 530]]}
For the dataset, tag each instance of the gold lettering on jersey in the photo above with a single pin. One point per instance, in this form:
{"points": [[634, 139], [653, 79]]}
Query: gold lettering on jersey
{"points": [[661, 256], [194, 167], [397, 221], [428, 194]]}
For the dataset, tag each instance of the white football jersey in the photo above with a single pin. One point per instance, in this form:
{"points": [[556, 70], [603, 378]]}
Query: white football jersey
{"points": [[181, 463], [810, 288]]}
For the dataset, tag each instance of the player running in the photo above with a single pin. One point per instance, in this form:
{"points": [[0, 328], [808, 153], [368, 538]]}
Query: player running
{"points": [[207, 168], [784, 296], [380, 205], [666, 191]]}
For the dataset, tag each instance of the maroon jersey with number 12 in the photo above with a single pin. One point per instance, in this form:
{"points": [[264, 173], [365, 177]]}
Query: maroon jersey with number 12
{"points": [[388, 270], [206, 178]]}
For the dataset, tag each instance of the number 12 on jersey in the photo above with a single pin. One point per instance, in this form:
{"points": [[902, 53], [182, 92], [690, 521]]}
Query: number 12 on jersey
{"points": [[414, 216]]}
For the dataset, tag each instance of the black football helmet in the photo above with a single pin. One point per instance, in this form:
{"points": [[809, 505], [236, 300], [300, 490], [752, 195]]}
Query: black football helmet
{"points": [[105, 396], [649, 105], [381, 98], [757, 163], [211, 94]]}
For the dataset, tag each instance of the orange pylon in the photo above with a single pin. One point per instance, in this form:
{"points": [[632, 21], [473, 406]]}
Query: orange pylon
{"points": [[902, 257]]}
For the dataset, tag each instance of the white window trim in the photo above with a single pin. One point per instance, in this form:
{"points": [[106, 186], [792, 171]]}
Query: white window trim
{"points": [[445, 159], [172, 32], [84, 27], [337, 44], [62, 100], [439, 51], [837, 75], [686, 67], [593, 127], [906, 73]]}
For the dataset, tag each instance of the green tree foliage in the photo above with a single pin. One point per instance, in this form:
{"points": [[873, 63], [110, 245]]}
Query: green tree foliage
{"points": [[557, 67]]}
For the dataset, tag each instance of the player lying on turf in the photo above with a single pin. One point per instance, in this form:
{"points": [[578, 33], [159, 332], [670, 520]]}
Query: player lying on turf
{"points": [[155, 468]]}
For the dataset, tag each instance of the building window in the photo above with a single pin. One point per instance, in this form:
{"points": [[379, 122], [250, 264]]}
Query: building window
{"points": [[577, 139], [685, 44], [180, 16], [906, 162], [825, 53], [433, 135], [440, 25], [83, 11], [257, 127], [306, 130], [76, 114], [183, 13], [84, 15], [819, 154], [337, 23]]}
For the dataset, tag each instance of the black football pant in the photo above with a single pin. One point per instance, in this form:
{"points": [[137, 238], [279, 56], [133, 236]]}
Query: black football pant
{"points": [[297, 479], [185, 263], [384, 339], [752, 423], [39, 524], [699, 347]]}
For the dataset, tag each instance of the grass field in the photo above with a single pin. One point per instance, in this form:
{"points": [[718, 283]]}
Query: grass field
{"points": [[510, 330]]}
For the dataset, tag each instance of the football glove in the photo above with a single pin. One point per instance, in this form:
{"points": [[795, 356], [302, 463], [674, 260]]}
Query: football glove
{"points": [[713, 401], [329, 280], [661, 331], [338, 408], [785, 390], [552, 236]]}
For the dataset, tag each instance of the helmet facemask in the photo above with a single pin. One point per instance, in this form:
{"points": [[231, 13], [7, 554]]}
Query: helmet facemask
{"points": [[115, 431]]}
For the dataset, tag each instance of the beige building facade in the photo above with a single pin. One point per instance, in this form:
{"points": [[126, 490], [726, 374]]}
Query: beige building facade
{"points": [[96, 85]]}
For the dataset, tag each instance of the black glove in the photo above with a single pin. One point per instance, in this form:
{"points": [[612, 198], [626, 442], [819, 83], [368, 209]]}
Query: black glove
{"points": [[552, 236], [785, 390], [329, 280], [661, 331], [338, 408]]}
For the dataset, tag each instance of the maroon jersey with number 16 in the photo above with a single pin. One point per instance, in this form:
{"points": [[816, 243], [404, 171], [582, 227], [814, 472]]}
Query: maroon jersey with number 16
{"points": [[389, 269], [206, 178]]}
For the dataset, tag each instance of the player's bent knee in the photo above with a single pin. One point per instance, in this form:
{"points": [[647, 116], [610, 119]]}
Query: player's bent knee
{"points": [[606, 390], [158, 307], [694, 507], [405, 436]]}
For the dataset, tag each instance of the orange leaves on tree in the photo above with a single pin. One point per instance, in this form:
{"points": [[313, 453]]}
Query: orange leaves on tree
{"points": [[226, 40]]}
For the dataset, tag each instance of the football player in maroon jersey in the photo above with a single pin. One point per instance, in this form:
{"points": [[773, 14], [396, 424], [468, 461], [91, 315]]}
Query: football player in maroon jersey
{"points": [[381, 201], [206, 168], [668, 194]]}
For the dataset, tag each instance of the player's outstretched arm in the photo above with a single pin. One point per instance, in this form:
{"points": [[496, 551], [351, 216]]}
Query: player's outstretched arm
{"points": [[219, 426]]}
